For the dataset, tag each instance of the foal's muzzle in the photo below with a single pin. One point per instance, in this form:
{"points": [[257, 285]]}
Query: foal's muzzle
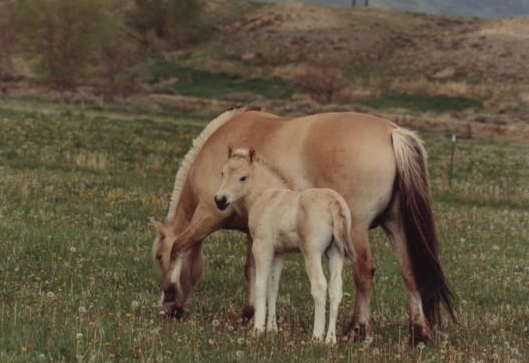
{"points": [[221, 202]]}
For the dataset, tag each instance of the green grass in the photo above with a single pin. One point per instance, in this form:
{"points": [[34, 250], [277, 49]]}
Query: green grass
{"points": [[77, 283], [193, 82], [421, 102]]}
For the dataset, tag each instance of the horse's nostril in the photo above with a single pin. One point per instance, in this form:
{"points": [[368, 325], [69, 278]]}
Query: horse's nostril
{"points": [[221, 202]]}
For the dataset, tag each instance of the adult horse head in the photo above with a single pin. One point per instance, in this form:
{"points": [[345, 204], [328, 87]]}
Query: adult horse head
{"points": [[379, 168]]}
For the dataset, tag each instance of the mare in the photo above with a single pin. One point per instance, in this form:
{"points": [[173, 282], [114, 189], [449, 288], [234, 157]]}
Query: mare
{"points": [[378, 167]]}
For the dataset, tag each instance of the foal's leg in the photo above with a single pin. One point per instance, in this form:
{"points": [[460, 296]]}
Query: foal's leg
{"points": [[263, 254], [249, 273], [419, 328], [318, 290], [273, 287], [335, 291], [363, 271]]}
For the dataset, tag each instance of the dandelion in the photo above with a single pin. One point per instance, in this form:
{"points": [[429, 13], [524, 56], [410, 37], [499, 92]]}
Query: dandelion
{"points": [[134, 304], [50, 295], [239, 354], [78, 336], [231, 328], [81, 310], [41, 357], [420, 346], [212, 341], [73, 249], [215, 323], [240, 341]]}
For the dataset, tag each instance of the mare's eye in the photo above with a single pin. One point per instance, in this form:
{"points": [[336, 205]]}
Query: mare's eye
{"points": [[243, 178]]}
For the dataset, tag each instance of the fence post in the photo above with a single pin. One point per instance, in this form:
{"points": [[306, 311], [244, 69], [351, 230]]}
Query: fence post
{"points": [[451, 170]]}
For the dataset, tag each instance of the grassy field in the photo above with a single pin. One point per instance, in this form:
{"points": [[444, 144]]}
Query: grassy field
{"points": [[77, 282]]}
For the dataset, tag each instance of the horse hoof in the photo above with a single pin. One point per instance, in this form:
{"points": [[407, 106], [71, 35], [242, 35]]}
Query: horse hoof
{"points": [[176, 313], [357, 332], [247, 314], [419, 334]]}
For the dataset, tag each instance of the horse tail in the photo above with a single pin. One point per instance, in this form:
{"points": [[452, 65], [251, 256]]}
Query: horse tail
{"points": [[342, 227], [416, 216]]}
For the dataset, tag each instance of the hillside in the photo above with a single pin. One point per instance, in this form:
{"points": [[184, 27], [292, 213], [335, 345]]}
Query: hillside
{"points": [[479, 8], [379, 51]]}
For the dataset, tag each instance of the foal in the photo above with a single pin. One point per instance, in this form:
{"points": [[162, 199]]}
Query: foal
{"points": [[316, 222]]}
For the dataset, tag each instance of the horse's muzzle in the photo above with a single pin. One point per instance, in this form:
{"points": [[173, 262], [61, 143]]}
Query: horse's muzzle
{"points": [[169, 305], [221, 202]]}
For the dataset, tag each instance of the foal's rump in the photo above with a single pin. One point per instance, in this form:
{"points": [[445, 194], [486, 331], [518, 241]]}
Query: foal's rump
{"points": [[324, 210]]}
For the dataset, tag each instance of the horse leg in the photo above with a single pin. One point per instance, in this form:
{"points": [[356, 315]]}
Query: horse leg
{"points": [[335, 291], [186, 252], [318, 290], [273, 287], [419, 328], [249, 273], [263, 255], [363, 270]]}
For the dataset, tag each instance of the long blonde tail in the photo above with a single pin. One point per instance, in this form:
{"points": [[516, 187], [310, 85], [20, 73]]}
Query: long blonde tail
{"points": [[342, 228]]}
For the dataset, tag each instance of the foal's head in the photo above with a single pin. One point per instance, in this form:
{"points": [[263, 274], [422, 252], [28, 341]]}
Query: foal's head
{"points": [[236, 177]]}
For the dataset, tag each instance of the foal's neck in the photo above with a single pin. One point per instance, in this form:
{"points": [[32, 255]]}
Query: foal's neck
{"points": [[264, 177]]}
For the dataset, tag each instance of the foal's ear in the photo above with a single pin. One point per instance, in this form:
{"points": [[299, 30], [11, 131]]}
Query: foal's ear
{"points": [[158, 226], [251, 154], [230, 151]]}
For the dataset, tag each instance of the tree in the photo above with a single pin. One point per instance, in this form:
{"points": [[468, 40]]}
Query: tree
{"points": [[7, 40], [182, 17], [174, 21], [63, 37], [119, 66]]}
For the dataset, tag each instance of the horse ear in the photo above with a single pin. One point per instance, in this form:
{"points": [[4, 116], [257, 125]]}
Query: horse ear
{"points": [[251, 154], [158, 226], [230, 150]]}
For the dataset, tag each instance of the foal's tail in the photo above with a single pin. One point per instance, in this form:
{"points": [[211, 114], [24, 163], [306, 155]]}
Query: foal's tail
{"points": [[417, 220], [342, 227]]}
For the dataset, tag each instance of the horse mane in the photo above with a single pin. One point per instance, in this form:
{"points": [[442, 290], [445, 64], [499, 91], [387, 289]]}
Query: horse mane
{"points": [[244, 153], [191, 155]]}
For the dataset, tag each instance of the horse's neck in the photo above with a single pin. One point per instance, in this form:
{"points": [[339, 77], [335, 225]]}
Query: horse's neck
{"points": [[263, 178], [183, 212]]}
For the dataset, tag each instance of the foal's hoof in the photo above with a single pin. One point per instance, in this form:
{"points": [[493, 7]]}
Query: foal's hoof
{"points": [[357, 332], [330, 340], [419, 334], [247, 314]]}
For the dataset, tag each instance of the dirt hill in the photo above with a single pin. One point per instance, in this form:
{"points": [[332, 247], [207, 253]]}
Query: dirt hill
{"points": [[377, 49]]}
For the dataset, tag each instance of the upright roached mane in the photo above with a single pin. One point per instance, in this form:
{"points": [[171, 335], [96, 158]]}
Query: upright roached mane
{"points": [[188, 160]]}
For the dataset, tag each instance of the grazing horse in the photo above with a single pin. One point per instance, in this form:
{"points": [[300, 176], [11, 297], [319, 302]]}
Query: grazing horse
{"points": [[379, 168], [315, 221]]}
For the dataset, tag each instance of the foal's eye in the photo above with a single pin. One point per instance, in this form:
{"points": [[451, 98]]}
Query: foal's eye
{"points": [[243, 178], [159, 258]]}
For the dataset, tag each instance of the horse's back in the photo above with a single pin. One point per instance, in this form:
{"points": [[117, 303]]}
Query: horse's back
{"points": [[348, 152]]}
